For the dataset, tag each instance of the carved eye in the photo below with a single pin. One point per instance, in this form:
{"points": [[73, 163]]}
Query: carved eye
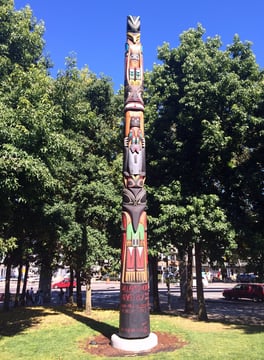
{"points": [[134, 56], [126, 199], [143, 199], [131, 183]]}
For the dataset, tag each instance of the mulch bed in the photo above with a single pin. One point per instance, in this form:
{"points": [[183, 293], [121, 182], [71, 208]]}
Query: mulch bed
{"points": [[100, 345]]}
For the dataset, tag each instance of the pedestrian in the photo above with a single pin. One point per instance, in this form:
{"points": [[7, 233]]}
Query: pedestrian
{"points": [[37, 297], [40, 297], [32, 296], [28, 298], [22, 299], [61, 297]]}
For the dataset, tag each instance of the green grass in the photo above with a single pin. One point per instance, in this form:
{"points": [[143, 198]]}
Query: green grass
{"points": [[60, 334]]}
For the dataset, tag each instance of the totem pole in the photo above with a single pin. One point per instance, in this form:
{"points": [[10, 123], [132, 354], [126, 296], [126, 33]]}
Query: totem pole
{"points": [[134, 289]]}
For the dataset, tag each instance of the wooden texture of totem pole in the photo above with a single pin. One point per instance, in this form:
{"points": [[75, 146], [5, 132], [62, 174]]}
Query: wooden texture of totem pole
{"points": [[134, 289]]}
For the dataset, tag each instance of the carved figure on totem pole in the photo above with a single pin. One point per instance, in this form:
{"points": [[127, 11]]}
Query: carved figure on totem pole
{"points": [[134, 292], [133, 66]]}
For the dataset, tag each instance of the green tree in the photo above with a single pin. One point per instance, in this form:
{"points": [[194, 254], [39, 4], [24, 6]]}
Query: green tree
{"points": [[201, 103], [88, 202], [21, 38], [30, 144]]}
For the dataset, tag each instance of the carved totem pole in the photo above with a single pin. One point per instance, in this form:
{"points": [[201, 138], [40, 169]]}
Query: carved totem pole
{"points": [[134, 289]]}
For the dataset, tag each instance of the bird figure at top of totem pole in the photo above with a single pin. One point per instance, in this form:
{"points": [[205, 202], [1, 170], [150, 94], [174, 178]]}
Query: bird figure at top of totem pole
{"points": [[133, 66]]}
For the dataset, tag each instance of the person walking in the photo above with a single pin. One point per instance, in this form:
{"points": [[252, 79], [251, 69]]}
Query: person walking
{"points": [[40, 297], [61, 297], [32, 296]]}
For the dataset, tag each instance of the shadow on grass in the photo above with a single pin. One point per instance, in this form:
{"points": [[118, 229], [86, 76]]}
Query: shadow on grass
{"points": [[241, 315], [99, 326], [239, 324], [251, 329], [233, 321], [20, 319]]}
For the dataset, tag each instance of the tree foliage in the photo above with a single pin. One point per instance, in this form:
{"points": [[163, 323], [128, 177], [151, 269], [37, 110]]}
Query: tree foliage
{"points": [[28, 124], [88, 203], [58, 153], [202, 116]]}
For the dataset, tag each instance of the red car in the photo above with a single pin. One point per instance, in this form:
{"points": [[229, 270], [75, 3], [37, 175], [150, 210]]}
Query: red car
{"points": [[249, 291], [63, 284]]}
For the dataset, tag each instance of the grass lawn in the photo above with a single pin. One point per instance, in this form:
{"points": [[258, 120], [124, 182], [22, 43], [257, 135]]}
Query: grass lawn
{"points": [[61, 333]]}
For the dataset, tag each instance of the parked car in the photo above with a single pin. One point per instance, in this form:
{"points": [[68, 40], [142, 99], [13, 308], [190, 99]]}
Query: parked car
{"points": [[246, 278], [245, 290], [65, 283]]}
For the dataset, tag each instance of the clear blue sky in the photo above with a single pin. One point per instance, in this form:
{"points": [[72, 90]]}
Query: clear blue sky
{"points": [[96, 30]]}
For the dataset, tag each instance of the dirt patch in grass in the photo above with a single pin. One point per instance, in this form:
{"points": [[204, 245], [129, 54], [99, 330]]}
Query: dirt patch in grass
{"points": [[100, 345]]}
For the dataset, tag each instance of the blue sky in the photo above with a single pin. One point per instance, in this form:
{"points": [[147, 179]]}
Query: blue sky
{"points": [[95, 31]]}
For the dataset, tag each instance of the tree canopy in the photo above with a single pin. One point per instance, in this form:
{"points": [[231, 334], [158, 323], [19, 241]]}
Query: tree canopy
{"points": [[203, 112], [61, 151]]}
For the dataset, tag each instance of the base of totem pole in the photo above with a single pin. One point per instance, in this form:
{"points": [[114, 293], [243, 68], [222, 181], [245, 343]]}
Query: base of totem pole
{"points": [[134, 345]]}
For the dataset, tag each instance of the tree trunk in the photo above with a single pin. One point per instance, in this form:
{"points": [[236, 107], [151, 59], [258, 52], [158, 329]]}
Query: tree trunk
{"points": [[202, 314], [78, 291], [17, 296], [183, 274], [189, 307], [7, 283], [153, 281], [88, 303], [45, 281], [24, 288], [70, 290]]}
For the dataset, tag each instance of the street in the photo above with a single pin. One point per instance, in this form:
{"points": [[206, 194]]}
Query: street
{"points": [[105, 295]]}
